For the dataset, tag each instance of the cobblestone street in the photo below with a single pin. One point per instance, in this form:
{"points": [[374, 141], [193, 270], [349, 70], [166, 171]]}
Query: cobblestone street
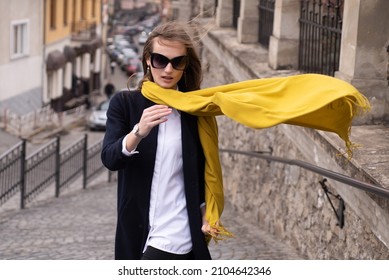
{"points": [[80, 225]]}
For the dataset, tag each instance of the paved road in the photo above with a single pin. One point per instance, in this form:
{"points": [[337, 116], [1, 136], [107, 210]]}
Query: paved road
{"points": [[80, 225]]}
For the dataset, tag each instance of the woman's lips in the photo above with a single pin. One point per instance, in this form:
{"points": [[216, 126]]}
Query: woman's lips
{"points": [[167, 79]]}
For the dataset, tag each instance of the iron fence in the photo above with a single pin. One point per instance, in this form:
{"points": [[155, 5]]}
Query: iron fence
{"points": [[72, 162], [11, 171], [40, 171], [47, 167], [320, 36], [266, 18], [93, 162]]}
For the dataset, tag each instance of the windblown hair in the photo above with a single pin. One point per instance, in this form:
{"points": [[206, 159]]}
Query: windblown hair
{"points": [[178, 32]]}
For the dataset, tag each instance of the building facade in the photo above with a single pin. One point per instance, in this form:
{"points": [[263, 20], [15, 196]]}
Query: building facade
{"points": [[21, 45], [73, 52], [51, 55]]}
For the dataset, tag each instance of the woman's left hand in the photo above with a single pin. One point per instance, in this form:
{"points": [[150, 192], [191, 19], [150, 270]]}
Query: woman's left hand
{"points": [[207, 229]]}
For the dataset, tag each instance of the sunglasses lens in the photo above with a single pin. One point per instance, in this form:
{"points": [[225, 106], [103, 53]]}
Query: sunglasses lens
{"points": [[159, 61], [179, 63]]}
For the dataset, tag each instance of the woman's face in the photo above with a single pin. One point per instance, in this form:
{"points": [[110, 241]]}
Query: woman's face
{"points": [[168, 76]]}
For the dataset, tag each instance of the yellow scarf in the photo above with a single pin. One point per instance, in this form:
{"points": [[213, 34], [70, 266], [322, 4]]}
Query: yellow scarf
{"points": [[309, 100]]}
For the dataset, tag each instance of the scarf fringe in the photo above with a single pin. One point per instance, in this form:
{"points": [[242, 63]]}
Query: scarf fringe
{"points": [[222, 234], [359, 106]]}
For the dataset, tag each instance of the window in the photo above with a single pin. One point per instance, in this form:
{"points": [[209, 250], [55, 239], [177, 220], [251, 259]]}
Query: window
{"points": [[53, 14], [19, 38], [83, 10], [94, 8], [65, 12], [74, 8]]}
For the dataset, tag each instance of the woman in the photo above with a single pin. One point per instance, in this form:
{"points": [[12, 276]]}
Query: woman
{"points": [[159, 158]]}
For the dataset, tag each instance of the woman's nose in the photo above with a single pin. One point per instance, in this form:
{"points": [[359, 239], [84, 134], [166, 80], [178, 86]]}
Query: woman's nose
{"points": [[169, 67]]}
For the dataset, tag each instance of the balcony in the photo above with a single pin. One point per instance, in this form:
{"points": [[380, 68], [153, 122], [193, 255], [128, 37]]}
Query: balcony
{"points": [[84, 30]]}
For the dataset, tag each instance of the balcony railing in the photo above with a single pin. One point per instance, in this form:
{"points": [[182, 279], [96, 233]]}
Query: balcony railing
{"points": [[84, 30]]}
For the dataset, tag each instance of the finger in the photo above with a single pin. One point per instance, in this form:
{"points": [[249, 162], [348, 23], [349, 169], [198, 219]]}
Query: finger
{"points": [[156, 114], [156, 107], [205, 229]]}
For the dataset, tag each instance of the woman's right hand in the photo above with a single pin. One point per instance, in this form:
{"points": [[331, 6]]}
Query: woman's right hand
{"points": [[153, 116]]}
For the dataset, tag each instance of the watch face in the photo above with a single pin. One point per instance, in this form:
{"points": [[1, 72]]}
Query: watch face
{"points": [[136, 131]]}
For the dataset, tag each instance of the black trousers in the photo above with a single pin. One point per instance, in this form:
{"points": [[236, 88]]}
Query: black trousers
{"points": [[152, 253]]}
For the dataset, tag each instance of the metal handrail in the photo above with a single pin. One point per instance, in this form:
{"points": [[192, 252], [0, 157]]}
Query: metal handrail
{"points": [[378, 190]]}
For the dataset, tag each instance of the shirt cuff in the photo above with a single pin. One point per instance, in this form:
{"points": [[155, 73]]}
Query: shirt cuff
{"points": [[124, 150]]}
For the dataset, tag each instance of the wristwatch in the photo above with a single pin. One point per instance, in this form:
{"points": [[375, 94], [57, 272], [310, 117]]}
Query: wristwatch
{"points": [[135, 130]]}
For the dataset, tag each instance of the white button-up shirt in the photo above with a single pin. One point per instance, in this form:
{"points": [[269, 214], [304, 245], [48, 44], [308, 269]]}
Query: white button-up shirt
{"points": [[169, 225]]}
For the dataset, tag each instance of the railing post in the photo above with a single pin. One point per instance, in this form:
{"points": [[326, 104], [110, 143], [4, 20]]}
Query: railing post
{"points": [[22, 174], [57, 167], [85, 165], [19, 118], [5, 119]]}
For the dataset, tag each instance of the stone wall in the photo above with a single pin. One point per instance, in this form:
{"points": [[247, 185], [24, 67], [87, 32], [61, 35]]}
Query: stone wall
{"points": [[286, 200]]}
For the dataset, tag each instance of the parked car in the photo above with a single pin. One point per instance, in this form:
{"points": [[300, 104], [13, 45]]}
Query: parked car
{"points": [[113, 52], [128, 54], [133, 30], [133, 65], [123, 43], [142, 38], [98, 117]]}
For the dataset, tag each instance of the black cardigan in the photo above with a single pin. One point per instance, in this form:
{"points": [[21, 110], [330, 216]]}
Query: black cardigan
{"points": [[135, 174]]}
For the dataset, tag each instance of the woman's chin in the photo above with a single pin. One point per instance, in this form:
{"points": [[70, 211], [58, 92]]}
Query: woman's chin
{"points": [[169, 84]]}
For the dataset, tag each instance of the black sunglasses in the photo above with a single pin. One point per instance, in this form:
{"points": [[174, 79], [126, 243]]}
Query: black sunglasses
{"points": [[160, 61]]}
